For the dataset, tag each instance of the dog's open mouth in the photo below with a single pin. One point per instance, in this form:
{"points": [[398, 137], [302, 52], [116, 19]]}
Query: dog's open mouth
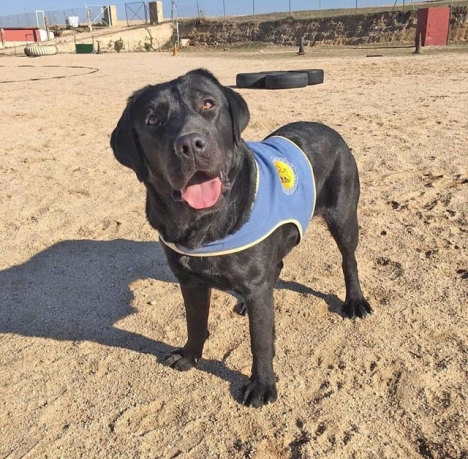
{"points": [[202, 191]]}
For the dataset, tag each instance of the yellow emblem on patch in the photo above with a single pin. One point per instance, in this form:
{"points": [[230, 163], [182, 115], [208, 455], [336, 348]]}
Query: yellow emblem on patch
{"points": [[287, 175]]}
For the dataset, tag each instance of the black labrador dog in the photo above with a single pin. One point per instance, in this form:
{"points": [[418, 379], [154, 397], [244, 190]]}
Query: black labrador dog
{"points": [[183, 140]]}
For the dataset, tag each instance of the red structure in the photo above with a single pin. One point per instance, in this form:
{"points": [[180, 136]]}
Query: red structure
{"points": [[433, 26], [22, 35]]}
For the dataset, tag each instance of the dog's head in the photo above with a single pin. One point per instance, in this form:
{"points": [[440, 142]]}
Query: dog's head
{"points": [[181, 136]]}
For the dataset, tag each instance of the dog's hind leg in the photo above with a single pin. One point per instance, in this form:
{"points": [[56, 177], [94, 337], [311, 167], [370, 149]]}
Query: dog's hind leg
{"points": [[341, 218], [197, 304]]}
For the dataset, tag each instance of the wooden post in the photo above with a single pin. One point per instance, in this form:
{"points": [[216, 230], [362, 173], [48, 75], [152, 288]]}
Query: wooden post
{"points": [[2, 36], [418, 44], [46, 22], [90, 23], [301, 47]]}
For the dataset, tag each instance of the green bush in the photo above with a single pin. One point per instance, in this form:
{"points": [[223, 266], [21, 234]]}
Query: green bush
{"points": [[119, 45]]}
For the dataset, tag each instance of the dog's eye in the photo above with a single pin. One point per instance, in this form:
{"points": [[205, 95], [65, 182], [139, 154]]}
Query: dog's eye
{"points": [[207, 104], [153, 121]]}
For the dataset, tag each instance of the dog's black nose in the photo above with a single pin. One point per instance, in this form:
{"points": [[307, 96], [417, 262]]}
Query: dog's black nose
{"points": [[189, 144]]}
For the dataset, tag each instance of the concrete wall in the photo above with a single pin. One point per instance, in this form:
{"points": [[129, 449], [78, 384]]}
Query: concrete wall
{"points": [[134, 39], [20, 36]]}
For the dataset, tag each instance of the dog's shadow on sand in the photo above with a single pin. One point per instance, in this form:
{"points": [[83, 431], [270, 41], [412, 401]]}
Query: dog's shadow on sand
{"points": [[77, 291]]}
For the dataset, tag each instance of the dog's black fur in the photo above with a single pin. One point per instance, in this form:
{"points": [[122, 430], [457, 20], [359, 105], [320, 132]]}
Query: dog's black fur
{"points": [[189, 129]]}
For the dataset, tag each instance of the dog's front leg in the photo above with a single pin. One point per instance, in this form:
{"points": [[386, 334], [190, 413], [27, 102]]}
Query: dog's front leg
{"points": [[197, 304], [261, 388]]}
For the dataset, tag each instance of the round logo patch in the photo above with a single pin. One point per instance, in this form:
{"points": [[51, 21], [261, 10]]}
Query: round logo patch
{"points": [[287, 174]]}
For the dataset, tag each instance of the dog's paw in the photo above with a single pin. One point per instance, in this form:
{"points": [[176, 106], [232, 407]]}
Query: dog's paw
{"points": [[240, 308], [257, 394], [177, 361], [357, 308]]}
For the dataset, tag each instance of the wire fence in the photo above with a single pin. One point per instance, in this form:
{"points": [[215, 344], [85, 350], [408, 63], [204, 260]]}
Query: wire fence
{"points": [[199, 8], [220, 8], [208, 8], [55, 17]]}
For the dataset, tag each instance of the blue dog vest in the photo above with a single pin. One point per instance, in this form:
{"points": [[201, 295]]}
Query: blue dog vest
{"points": [[285, 194]]}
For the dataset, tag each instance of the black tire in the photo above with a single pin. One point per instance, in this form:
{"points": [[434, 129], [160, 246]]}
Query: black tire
{"points": [[286, 80], [274, 72], [250, 80], [315, 76]]}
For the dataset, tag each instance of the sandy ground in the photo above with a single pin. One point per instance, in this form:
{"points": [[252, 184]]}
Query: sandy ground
{"points": [[88, 307]]}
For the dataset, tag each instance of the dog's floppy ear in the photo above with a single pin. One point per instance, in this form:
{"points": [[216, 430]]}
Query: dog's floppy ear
{"points": [[124, 142], [239, 111]]}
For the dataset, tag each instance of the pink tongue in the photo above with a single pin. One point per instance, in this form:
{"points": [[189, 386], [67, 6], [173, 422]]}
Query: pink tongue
{"points": [[203, 195]]}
